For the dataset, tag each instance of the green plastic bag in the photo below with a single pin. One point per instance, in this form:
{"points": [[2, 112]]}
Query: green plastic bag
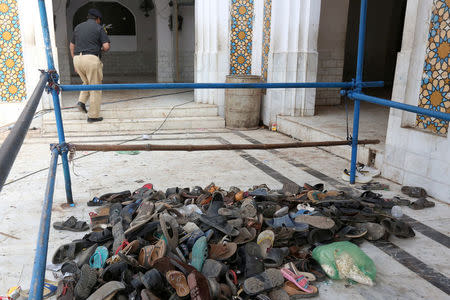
{"points": [[341, 260]]}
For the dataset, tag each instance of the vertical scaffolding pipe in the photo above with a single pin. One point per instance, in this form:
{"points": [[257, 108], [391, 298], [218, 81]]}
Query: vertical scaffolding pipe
{"points": [[56, 105], [40, 260], [359, 75]]}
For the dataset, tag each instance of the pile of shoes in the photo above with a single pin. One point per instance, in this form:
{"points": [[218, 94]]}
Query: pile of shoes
{"points": [[208, 243]]}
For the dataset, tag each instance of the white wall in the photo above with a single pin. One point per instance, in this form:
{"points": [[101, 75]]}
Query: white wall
{"points": [[412, 156], [331, 48]]}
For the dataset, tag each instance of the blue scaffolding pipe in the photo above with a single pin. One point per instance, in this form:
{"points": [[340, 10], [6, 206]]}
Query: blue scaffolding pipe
{"points": [[402, 106], [40, 260], [159, 86], [359, 75], [55, 96]]}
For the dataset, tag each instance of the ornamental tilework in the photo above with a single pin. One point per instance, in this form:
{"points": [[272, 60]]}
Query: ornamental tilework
{"points": [[241, 37], [12, 77], [435, 80], [266, 38]]}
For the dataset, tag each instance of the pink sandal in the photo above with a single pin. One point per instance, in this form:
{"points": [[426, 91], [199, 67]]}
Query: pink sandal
{"points": [[300, 281]]}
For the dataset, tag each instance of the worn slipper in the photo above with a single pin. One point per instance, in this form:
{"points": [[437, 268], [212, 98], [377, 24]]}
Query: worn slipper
{"points": [[149, 254], [374, 231], [300, 281], [316, 221], [252, 259], [421, 204], [214, 269], [316, 236], [286, 221], [199, 287], [115, 197], [295, 293], [88, 279], [291, 266], [222, 251], [199, 253], [71, 224], [414, 191], [96, 202], [265, 241], [275, 256], [265, 281], [398, 228], [106, 290], [169, 227], [68, 251], [98, 259], [245, 235], [178, 281]]}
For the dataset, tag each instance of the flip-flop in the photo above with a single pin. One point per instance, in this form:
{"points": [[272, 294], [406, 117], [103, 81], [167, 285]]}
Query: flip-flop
{"points": [[265, 241], [178, 281], [320, 235], [106, 290], [68, 251], [374, 231], [71, 224], [295, 293], [169, 227], [96, 202], [286, 221], [275, 256], [300, 281], [98, 259], [222, 251], [198, 285], [214, 269], [252, 259], [245, 235], [291, 266], [149, 254], [267, 280], [88, 279], [199, 253], [421, 204], [316, 221]]}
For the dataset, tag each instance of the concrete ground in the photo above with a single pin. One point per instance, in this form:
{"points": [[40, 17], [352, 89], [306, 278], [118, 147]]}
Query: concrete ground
{"points": [[406, 269]]}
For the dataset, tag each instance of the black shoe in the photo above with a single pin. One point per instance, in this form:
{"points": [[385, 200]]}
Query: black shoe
{"points": [[82, 107], [92, 120]]}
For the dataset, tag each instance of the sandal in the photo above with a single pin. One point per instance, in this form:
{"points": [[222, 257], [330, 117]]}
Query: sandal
{"points": [[421, 204], [300, 281], [199, 253], [178, 281], [414, 191], [71, 224], [398, 228], [265, 281]]}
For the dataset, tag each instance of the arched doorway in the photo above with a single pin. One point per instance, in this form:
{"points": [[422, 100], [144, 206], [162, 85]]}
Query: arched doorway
{"points": [[132, 31]]}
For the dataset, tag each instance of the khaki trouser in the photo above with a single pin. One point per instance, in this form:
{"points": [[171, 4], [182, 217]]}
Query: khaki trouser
{"points": [[90, 69]]}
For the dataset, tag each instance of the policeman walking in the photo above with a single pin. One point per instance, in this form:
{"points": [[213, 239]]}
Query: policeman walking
{"points": [[88, 41]]}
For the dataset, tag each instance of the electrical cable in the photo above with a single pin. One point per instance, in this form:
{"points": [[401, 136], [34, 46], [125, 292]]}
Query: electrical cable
{"points": [[91, 153]]}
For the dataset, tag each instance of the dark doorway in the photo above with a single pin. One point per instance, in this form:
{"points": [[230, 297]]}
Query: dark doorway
{"points": [[385, 20]]}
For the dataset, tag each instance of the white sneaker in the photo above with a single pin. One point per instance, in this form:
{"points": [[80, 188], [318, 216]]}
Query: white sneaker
{"points": [[366, 170], [359, 178]]}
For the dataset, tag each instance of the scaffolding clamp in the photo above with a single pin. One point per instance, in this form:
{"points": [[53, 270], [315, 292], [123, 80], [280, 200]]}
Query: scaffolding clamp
{"points": [[53, 81], [62, 148]]}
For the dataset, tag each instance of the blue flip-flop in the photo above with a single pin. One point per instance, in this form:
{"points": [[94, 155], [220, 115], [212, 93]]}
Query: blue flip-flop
{"points": [[98, 259]]}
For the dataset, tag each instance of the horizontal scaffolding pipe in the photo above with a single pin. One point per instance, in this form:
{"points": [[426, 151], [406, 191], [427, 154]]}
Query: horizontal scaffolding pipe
{"points": [[40, 258], [402, 106], [150, 147], [13, 142], [163, 86]]}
